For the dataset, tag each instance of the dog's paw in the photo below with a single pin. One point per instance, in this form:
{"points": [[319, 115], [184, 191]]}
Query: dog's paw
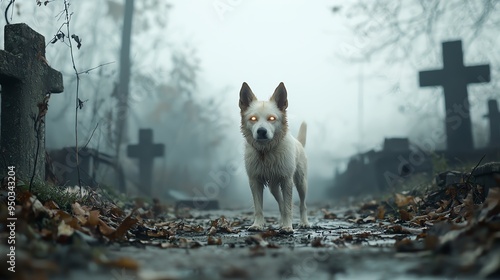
{"points": [[255, 227], [304, 225], [286, 230]]}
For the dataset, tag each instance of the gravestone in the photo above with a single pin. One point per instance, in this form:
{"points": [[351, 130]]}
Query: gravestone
{"points": [[454, 78], [396, 145], [146, 151], [26, 80], [494, 118], [64, 168]]}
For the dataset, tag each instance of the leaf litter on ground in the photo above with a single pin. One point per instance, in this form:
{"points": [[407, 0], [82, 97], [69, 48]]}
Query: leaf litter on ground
{"points": [[459, 222]]}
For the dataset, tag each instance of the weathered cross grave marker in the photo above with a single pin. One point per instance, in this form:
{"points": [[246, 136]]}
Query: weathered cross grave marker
{"points": [[454, 78], [146, 151], [26, 80], [494, 118]]}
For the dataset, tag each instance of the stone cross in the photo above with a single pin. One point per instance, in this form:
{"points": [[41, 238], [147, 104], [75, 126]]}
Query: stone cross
{"points": [[454, 78], [146, 151], [26, 80], [494, 118]]}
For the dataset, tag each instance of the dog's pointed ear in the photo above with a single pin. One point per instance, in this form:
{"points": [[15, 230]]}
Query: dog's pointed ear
{"points": [[246, 96], [280, 97]]}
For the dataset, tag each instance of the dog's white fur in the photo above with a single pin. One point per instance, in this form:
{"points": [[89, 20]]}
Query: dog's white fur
{"points": [[273, 157]]}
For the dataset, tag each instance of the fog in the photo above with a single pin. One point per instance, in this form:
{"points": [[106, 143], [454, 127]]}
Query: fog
{"points": [[189, 59]]}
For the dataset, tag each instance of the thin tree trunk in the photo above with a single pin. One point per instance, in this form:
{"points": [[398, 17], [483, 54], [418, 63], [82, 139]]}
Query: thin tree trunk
{"points": [[123, 85]]}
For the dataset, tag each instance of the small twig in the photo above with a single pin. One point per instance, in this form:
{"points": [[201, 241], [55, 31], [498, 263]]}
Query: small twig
{"points": [[91, 135], [7, 11], [474, 169], [68, 19], [93, 68], [36, 126]]}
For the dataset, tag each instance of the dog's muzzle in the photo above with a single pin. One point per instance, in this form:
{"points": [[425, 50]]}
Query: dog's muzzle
{"points": [[262, 134]]}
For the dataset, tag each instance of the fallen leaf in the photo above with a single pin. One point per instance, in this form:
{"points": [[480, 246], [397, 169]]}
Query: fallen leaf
{"points": [[123, 228], [369, 219], [212, 241], [93, 219], [104, 229], [234, 273], [77, 209], [124, 263], [256, 239], [51, 205], [316, 242], [64, 230], [405, 215], [328, 215], [402, 200], [380, 212]]}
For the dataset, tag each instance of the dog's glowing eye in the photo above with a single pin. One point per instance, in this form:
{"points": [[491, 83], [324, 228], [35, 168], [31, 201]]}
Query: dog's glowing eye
{"points": [[271, 118], [253, 118]]}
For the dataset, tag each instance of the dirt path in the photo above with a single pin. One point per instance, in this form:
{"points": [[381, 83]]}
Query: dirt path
{"points": [[336, 248]]}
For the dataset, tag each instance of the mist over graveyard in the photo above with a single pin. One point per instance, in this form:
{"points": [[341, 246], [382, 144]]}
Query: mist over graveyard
{"points": [[125, 126], [350, 73]]}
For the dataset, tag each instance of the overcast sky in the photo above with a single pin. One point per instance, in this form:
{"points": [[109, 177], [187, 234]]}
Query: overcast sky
{"points": [[299, 43]]}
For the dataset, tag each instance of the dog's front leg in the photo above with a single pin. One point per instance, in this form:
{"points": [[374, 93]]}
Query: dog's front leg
{"points": [[257, 193], [276, 192], [286, 190]]}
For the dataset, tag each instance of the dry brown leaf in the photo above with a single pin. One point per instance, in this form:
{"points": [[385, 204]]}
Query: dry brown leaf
{"points": [[431, 242], [316, 242], [93, 219], [64, 229], [51, 205], [256, 239], [370, 205], [123, 228], [77, 209], [405, 215], [67, 218], [405, 245], [269, 233], [402, 200], [212, 241], [234, 273], [364, 235], [369, 219], [125, 263], [117, 212], [328, 215], [37, 206], [347, 237], [104, 229], [380, 212], [396, 229], [189, 243]]}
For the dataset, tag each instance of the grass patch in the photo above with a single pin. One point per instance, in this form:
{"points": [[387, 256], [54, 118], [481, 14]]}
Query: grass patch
{"points": [[45, 191]]}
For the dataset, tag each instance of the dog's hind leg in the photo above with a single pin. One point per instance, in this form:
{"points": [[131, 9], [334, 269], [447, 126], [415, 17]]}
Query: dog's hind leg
{"points": [[257, 193], [301, 184], [287, 191]]}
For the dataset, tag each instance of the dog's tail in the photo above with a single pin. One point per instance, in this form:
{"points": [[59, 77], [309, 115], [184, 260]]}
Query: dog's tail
{"points": [[302, 134]]}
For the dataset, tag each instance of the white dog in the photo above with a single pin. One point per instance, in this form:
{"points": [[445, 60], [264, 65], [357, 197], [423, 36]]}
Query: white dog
{"points": [[273, 157]]}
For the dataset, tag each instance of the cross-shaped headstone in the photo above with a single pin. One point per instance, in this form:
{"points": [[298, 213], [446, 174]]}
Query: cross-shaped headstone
{"points": [[494, 118], [26, 79], [146, 151], [454, 78]]}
